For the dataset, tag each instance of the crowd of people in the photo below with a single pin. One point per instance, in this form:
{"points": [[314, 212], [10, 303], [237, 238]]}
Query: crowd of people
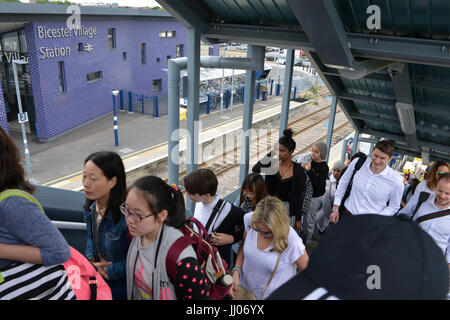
{"points": [[365, 214]]}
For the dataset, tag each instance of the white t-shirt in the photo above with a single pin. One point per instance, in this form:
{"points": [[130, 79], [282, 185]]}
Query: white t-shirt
{"points": [[259, 264], [203, 212]]}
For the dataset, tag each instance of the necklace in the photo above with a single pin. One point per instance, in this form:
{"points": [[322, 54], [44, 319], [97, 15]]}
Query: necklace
{"points": [[101, 212], [285, 171]]}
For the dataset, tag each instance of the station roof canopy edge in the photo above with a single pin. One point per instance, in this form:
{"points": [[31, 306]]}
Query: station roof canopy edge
{"points": [[388, 62], [9, 10]]}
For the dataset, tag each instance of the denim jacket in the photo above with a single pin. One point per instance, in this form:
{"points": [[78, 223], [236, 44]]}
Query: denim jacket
{"points": [[112, 244]]}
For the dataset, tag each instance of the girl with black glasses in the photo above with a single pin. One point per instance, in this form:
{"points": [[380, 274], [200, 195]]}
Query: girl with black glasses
{"points": [[154, 213]]}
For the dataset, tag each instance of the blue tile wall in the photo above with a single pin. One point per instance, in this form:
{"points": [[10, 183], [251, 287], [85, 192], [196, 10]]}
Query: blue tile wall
{"points": [[58, 112], [3, 119]]}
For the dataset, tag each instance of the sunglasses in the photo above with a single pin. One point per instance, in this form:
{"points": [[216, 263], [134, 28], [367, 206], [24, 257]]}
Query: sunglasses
{"points": [[135, 217], [265, 234], [440, 172]]}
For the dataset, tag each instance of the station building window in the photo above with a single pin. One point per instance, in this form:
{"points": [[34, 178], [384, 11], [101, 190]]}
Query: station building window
{"points": [[80, 47], [94, 76], [143, 53], [180, 51], [124, 56], [62, 77], [157, 85], [158, 60], [167, 34], [168, 58], [112, 38]]}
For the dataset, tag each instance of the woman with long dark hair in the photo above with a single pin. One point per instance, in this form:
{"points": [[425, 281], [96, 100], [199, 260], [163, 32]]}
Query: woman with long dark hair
{"points": [[107, 244], [27, 236], [287, 179], [253, 190], [155, 212]]}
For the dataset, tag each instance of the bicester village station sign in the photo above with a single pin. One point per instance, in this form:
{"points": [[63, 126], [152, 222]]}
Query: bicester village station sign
{"points": [[62, 32]]}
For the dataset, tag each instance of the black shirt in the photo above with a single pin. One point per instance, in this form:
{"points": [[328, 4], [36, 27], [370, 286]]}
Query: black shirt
{"points": [[318, 175]]}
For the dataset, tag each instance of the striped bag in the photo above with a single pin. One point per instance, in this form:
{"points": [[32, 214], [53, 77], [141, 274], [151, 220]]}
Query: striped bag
{"points": [[24, 281]]}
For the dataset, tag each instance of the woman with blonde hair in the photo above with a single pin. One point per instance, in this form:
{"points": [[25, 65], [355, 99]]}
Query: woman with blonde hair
{"points": [[270, 252]]}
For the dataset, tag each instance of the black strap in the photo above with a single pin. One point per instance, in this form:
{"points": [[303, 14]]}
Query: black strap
{"points": [[93, 287], [423, 196], [216, 209], [156, 259], [433, 215], [358, 166]]}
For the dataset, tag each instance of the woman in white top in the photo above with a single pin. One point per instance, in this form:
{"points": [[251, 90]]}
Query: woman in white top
{"points": [[267, 235], [429, 184]]}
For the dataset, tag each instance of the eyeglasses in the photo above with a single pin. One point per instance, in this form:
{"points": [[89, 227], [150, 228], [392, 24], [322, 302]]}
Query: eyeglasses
{"points": [[265, 234], [136, 218]]}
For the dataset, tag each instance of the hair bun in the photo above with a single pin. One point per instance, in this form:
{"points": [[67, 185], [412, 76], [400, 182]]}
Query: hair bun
{"points": [[288, 133]]}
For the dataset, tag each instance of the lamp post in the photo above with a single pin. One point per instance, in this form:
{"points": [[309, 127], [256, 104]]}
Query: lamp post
{"points": [[22, 116], [115, 93], [224, 54]]}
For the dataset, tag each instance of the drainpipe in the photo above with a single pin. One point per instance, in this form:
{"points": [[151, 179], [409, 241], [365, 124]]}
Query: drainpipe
{"points": [[255, 63], [361, 69]]}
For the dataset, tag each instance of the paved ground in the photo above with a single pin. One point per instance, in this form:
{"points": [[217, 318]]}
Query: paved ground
{"points": [[65, 154]]}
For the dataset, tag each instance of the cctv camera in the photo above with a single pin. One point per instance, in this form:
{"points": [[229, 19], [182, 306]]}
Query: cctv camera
{"points": [[395, 69]]}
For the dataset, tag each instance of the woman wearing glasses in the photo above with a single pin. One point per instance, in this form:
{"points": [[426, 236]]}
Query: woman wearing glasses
{"points": [[270, 252], [429, 184], [107, 242], [154, 212]]}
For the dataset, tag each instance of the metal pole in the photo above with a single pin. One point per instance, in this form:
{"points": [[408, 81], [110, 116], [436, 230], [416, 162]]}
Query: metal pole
{"points": [[193, 107], [331, 125], [232, 91], [247, 119], [356, 143], [344, 149], [222, 83], [287, 91], [22, 125], [116, 127]]}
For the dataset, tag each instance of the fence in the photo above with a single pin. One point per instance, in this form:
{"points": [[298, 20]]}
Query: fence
{"points": [[211, 95]]}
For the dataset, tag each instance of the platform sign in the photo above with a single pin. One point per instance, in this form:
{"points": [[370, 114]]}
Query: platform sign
{"points": [[23, 117]]}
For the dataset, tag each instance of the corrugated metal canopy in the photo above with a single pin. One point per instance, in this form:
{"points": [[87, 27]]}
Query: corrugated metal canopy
{"points": [[337, 38]]}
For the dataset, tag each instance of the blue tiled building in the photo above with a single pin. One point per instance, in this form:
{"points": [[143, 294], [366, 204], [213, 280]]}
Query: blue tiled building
{"points": [[70, 73]]}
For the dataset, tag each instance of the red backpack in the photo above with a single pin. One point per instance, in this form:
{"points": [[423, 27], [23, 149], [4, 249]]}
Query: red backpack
{"points": [[86, 282], [215, 268]]}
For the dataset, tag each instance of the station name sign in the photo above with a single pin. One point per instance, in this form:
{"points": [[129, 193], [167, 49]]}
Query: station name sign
{"points": [[63, 32]]}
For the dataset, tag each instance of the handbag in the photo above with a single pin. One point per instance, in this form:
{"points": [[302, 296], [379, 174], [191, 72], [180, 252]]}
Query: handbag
{"points": [[244, 294]]}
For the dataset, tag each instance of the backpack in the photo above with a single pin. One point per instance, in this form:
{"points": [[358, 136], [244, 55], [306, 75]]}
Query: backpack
{"points": [[85, 280], [215, 268]]}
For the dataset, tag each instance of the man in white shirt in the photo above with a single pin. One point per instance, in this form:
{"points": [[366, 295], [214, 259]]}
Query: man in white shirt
{"points": [[376, 188], [439, 201]]}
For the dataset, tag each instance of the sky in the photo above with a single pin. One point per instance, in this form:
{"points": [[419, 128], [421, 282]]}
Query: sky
{"points": [[130, 3]]}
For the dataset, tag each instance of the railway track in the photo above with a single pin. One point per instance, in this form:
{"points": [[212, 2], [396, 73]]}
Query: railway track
{"points": [[227, 165]]}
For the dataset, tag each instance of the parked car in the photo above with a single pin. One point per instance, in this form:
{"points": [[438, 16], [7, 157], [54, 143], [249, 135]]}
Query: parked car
{"points": [[242, 47], [271, 56]]}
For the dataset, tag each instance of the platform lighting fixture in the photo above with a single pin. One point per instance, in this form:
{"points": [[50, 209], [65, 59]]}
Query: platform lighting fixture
{"points": [[406, 117]]}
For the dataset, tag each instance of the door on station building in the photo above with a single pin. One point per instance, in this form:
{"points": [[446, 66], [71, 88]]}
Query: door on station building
{"points": [[13, 45]]}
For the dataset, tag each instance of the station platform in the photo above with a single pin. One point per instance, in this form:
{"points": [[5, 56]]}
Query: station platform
{"points": [[142, 139]]}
